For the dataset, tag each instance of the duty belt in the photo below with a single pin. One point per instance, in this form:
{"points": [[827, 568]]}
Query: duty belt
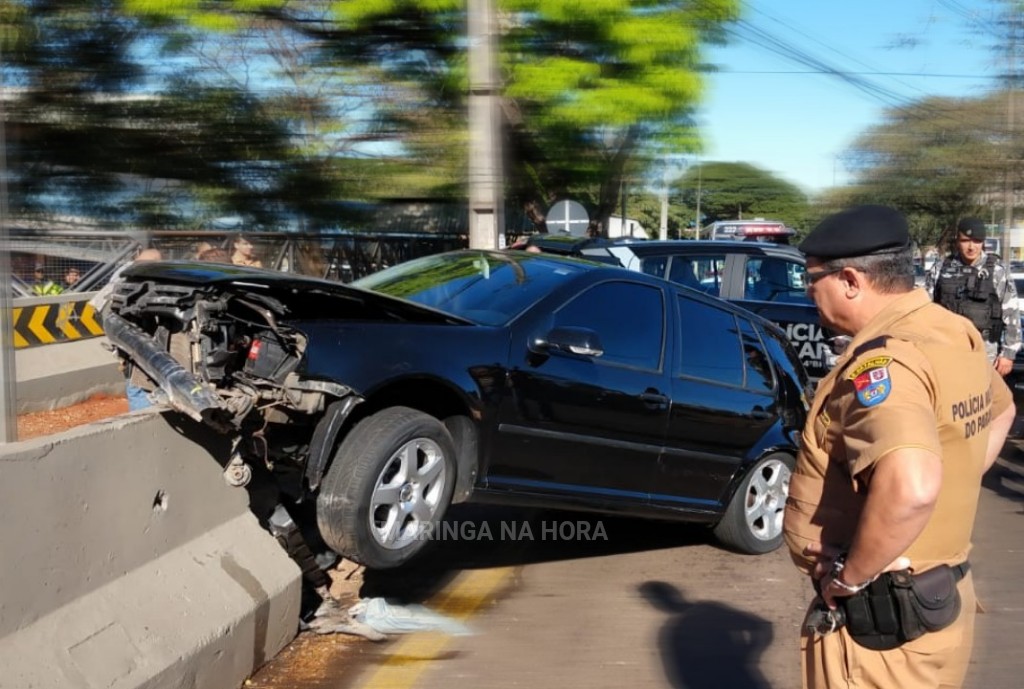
{"points": [[821, 620], [960, 571]]}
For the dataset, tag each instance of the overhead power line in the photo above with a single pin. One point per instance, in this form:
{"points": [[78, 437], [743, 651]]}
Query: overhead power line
{"points": [[748, 32]]}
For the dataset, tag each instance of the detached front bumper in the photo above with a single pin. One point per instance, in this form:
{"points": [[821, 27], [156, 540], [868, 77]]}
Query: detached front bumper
{"points": [[184, 391]]}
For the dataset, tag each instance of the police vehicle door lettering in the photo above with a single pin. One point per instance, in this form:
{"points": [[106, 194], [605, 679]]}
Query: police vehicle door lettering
{"points": [[809, 341]]}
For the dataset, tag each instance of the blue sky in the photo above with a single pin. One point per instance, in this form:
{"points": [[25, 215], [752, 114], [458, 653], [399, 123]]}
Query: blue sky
{"points": [[779, 115]]}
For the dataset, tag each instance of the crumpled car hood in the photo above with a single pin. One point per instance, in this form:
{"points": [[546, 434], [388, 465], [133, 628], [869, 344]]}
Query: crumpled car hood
{"points": [[303, 298]]}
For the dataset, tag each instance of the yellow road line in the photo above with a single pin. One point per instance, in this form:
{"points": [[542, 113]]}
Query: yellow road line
{"points": [[410, 658]]}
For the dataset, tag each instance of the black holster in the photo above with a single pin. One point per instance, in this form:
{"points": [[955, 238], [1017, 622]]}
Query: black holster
{"points": [[898, 607]]}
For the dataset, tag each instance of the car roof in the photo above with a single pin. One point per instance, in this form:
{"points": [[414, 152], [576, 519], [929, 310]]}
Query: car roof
{"points": [[567, 244], [687, 246]]}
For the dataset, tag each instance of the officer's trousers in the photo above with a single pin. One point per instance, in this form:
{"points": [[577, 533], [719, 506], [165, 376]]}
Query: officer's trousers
{"points": [[937, 660]]}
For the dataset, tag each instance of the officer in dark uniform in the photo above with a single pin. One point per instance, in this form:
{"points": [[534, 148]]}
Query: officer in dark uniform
{"points": [[975, 284]]}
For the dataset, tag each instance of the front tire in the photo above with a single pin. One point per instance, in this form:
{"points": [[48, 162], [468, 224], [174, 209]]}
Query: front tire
{"points": [[752, 523], [388, 488]]}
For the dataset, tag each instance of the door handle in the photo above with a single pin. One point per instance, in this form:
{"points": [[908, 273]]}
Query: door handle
{"points": [[760, 414], [654, 399]]}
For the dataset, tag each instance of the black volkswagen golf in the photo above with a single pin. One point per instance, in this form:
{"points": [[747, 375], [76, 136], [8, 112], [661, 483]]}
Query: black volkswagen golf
{"points": [[528, 378]]}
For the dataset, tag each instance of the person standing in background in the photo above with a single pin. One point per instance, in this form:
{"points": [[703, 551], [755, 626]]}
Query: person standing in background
{"points": [[43, 286], [976, 285], [71, 278], [243, 253]]}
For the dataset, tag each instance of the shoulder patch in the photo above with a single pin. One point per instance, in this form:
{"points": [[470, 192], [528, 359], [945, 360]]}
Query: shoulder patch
{"points": [[871, 380]]}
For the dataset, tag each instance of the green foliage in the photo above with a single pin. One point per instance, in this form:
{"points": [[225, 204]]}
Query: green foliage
{"points": [[730, 191], [603, 88], [936, 160], [281, 107], [598, 87], [89, 140]]}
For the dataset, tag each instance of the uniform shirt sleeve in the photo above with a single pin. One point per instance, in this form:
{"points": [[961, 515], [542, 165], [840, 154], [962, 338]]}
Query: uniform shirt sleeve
{"points": [[1011, 312], [878, 420]]}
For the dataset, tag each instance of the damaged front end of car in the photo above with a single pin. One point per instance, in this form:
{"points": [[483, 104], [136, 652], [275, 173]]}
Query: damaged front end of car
{"points": [[219, 354]]}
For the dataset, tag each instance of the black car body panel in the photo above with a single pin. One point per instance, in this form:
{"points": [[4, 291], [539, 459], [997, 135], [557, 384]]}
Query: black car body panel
{"points": [[562, 382]]}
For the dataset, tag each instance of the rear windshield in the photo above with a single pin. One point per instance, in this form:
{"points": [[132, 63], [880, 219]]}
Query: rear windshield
{"points": [[489, 288]]}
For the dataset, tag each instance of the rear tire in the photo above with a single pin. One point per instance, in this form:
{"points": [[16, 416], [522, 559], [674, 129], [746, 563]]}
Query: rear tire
{"points": [[752, 523], [388, 488]]}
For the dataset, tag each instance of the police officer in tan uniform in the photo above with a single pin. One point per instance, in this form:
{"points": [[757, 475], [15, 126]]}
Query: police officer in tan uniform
{"points": [[889, 473]]}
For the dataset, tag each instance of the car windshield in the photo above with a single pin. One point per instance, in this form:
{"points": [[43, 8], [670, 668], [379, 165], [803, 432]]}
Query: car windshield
{"points": [[483, 287]]}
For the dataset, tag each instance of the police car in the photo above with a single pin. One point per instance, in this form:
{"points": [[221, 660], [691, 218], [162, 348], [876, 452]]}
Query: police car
{"points": [[765, 278]]}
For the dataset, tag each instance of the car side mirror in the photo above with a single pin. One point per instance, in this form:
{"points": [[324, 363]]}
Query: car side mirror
{"points": [[569, 340]]}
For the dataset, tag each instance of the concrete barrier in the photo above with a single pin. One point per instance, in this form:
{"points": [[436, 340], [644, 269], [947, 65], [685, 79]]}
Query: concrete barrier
{"points": [[126, 561], [73, 367], [59, 375], [38, 321]]}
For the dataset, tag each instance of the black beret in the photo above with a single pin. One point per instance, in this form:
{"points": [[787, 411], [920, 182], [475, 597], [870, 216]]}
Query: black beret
{"points": [[858, 231], [972, 227]]}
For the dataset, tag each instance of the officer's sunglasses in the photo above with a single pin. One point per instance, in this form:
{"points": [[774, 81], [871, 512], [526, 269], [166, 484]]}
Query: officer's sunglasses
{"points": [[811, 278]]}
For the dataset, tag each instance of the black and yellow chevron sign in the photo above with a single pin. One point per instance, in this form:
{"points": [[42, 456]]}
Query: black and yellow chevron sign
{"points": [[43, 324]]}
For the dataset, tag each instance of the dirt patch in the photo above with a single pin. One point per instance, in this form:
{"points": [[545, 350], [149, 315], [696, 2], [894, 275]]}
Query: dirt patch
{"points": [[56, 420]]}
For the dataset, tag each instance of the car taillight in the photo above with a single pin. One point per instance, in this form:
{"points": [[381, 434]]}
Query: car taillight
{"points": [[254, 350]]}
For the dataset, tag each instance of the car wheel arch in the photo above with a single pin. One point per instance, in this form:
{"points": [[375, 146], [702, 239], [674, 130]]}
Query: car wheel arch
{"points": [[430, 396]]}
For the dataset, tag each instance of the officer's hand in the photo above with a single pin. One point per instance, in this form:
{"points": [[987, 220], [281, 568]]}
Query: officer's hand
{"points": [[1003, 365], [830, 591], [823, 555]]}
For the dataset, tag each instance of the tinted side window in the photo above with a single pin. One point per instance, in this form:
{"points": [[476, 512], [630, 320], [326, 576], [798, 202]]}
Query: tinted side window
{"points": [[699, 272], [654, 265], [775, 279], [710, 343], [759, 374], [628, 317]]}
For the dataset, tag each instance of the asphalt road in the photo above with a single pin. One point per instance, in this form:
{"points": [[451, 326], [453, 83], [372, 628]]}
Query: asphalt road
{"points": [[636, 603]]}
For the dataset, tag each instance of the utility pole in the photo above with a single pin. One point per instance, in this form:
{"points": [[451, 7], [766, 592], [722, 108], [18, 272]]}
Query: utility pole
{"points": [[486, 179], [1008, 183], [663, 224], [696, 224], [1008, 176], [8, 379], [623, 190]]}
